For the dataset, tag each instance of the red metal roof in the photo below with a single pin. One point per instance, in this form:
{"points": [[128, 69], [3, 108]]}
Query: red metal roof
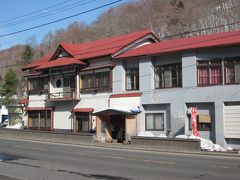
{"points": [[60, 62], [103, 47], [83, 110], [170, 46], [88, 50], [38, 62]]}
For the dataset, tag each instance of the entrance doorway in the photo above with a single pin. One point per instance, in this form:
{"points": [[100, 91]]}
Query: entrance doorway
{"points": [[82, 122], [117, 124]]}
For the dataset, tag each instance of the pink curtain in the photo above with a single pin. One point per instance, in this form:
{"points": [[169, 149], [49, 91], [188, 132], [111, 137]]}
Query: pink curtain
{"points": [[203, 76], [228, 75], [216, 75]]}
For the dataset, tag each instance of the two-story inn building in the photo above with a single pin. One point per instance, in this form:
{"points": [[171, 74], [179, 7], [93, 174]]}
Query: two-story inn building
{"points": [[122, 85], [66, 87]]}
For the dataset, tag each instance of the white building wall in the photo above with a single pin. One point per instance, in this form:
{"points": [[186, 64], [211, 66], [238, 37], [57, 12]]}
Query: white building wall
{"points": [[63, 117], [97, 102], [125, 101], [37, 100], [53, 80]]}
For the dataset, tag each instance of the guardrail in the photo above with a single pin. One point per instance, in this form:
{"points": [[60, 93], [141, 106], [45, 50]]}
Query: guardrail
{"points": [[73, 138], [166, 143]]}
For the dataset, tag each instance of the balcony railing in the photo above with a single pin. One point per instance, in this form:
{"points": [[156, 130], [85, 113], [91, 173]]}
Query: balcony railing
{"points": [[69, 95], [96, 89], [37, 91]]}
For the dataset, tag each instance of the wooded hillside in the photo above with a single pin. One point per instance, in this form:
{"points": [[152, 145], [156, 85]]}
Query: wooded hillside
{"points": [[166, 18]]}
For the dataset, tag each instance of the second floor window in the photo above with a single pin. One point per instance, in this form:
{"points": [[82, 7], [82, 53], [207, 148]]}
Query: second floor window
{"points": [[232, 71], [168, 76], [209, 72], [38, 84], [69, 81], [132, 79], [217, 72], [95, 81]]}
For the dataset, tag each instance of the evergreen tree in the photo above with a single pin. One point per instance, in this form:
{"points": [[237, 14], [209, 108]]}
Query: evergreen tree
{"points": [[9, 86], [27, 55]]}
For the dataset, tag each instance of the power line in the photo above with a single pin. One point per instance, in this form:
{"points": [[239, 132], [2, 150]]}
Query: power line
{"points": [[68, 17], [78, 51], [18, 17], [203, 29], [53, 12]]}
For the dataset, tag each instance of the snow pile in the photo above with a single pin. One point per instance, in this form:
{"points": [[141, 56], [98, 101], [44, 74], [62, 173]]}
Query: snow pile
{"points": [[162, 136], [145, 134], [206, 144], [94, 138], [15, 126], [229, 148]]}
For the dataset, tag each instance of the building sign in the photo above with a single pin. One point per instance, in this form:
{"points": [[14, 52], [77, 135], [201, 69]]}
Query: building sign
{"points": [[194, 121]]}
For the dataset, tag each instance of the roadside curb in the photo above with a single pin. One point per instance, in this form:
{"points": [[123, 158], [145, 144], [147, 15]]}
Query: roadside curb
{"points": [[129, 147]]}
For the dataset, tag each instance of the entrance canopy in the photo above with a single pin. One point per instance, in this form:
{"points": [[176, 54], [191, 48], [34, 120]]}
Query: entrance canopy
{"points": [[118, 110]]}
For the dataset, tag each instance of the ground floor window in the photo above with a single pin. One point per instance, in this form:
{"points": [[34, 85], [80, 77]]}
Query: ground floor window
{"points": [[82, 122], [154, 121], [39, 120], [203, 122]]}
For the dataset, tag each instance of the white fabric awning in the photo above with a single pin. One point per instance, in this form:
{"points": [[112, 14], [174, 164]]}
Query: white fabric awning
{"points": [[119, 110]]}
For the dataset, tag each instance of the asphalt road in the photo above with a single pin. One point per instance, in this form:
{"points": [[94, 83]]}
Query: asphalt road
{"points": [[48, 161]]}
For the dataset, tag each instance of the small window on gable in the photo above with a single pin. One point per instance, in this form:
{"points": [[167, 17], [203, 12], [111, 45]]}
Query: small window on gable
{"points": [[62, 53]]}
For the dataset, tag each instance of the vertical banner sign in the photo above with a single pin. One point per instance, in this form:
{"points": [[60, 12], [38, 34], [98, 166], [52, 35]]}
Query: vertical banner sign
{"points": [[194, 121]]}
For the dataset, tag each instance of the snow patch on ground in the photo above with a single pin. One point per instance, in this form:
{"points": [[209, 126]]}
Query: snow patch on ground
{"points": [[15, 126], [162, 136], [206, 144], [145, 134], [149, 134]]}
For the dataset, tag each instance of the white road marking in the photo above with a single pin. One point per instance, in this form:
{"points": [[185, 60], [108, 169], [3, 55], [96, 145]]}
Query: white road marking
{"points": [[41, 149]]}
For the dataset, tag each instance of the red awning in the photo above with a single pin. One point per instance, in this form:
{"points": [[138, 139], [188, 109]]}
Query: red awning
{"points": [[39, 108], [24, 101], [137, 94], [83, 110]]}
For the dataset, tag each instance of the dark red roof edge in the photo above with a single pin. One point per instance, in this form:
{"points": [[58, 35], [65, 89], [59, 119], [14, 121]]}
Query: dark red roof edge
{"points": [[98, 67], [126, 95], [39, 108], [84, 110], [34, 74]]}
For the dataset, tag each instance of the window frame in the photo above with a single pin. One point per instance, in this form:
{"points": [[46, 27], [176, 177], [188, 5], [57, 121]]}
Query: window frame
{"points": [[134, 72], [38, 117], [80, 117], [160, 70], [209, 65], [40, 85], [235, 61], [154, 121], [199, 128], [69, 81], [92, 81]]}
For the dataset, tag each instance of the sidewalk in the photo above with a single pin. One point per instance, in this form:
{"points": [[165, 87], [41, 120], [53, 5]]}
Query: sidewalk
{"points": [[130, 147]]}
